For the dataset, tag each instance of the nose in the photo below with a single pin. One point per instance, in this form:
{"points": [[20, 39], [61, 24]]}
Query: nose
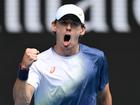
{"points": [[68, 27]]}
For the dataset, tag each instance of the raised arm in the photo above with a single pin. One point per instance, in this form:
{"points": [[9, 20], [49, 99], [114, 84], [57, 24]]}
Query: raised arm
{"points": [[23, 92]]}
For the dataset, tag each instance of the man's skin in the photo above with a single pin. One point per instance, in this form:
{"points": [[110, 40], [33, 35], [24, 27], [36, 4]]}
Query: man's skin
{"points": [[23, 92]]}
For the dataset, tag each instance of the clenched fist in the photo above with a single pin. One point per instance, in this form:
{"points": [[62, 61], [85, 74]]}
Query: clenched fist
{"points": [[30, 55]]}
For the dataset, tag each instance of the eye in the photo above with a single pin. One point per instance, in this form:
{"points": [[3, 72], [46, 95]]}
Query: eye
{"points": [[62, 22], [72, 23], [76, 24]]}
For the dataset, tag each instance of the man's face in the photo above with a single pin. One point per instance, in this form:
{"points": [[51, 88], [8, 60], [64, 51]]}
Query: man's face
{"points": [[68, 32]]}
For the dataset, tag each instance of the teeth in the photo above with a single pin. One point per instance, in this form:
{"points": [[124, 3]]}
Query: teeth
{"points": [[67, 37]]}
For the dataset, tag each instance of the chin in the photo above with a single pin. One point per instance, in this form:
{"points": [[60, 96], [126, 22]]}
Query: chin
{"points": [[68, 47]]}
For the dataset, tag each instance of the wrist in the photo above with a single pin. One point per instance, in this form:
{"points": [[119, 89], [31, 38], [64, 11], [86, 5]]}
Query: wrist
{"points": [[22, 73], [23, 67]]}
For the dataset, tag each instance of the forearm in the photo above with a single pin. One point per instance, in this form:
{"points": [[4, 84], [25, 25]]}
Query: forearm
{"points": [[21, 93], [106, 99]]}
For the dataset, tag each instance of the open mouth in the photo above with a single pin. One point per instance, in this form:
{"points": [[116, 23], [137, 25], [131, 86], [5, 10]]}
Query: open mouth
{"points": [[67, 38]]}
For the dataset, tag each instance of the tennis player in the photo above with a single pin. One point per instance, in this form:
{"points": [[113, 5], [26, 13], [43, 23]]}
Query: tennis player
{"points": [[68, 73]]}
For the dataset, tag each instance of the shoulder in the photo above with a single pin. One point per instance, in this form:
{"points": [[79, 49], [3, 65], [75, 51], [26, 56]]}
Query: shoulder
{"points": [[91, 51], [43, 58], [45, 54]]}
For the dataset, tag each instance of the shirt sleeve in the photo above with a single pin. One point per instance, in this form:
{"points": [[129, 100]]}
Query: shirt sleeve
{"points": [[34, 76], [104, 75]]}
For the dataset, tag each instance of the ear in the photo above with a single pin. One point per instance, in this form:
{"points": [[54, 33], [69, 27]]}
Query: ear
{"points": [[53, 26], [83, 30]]}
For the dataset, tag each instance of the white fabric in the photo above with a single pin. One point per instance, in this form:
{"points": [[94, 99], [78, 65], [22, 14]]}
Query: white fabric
{"points": [[55, 76]]}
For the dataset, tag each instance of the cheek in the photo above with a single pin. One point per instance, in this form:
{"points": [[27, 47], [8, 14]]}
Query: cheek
{"points": [[79, 31], [76, 34], [60, 31], [75, 37]]}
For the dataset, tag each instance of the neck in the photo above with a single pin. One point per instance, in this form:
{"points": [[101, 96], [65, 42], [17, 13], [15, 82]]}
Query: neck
{"points": [[66, 51]]}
